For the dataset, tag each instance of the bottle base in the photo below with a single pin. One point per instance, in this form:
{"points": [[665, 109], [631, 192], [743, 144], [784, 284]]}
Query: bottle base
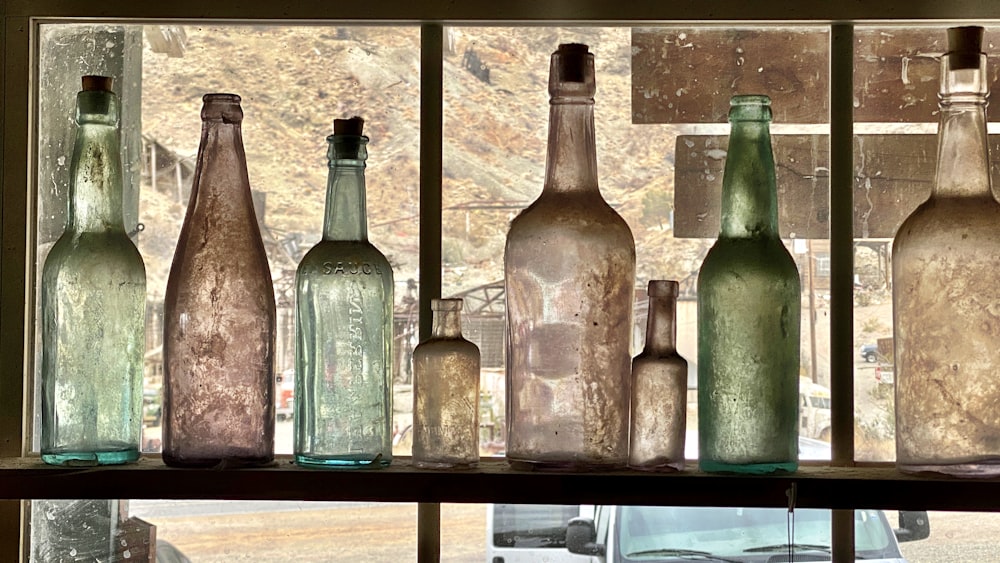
{"points": [[982, 469], [220, 463], [455, 465], [343, 462], [660, 465], [74, 458], [711, 466], [568, 466]]}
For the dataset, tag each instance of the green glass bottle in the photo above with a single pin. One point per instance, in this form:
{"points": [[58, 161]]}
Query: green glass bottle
{"points": [[343, 325], [93, 304], [748, 314]]}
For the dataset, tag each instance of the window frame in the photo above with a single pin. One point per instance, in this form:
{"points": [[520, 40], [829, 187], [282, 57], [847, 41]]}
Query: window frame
{"points": [[20, 19]]}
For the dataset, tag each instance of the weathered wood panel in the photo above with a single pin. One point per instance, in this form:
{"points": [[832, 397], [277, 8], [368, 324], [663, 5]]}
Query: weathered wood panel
{"points": [[893, 174], [897, 73], [687, 75]]}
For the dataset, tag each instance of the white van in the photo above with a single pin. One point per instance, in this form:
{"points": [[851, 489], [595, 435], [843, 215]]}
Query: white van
{"points": [[520, 533]]}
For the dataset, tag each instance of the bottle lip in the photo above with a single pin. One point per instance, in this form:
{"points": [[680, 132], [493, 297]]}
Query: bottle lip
{"points": [[662, 288], [221, 97], [750, 100], [453, 304]]}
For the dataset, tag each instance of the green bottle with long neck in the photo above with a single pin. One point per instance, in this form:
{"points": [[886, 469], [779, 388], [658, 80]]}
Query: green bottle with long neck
{"points": [[93, 304], [748, 314]]}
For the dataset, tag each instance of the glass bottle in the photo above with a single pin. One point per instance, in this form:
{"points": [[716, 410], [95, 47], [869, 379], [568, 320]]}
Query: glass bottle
{"points": [[93, 304], [343, 325], [569, 273], [748, 314], [446, 393], [219, 311], [945, 258], [659, 388]]}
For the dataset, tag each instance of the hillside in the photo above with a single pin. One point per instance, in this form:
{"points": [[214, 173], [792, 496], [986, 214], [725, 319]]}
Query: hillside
{"points": [[295, 80]]}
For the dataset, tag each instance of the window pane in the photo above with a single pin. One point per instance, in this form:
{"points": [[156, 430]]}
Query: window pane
{"points": [[660, 165], [294, 80], [896, 79]]}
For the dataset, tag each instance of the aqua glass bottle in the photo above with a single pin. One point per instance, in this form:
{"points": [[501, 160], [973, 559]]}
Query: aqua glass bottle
{"points": [[343, 325], [569, 274], [749, 302], [93, 304], [946, 300], [219, 312], [446, 393], [658, 420]]}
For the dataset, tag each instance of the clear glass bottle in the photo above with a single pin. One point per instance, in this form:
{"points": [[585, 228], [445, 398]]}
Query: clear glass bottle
{"points": [[945, 258], [749, 302], [219, 311], [93, 304], [446, 393], [569, 273], [659, 388], [343, 325]]}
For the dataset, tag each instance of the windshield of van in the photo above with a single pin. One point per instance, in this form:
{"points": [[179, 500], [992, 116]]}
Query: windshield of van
{"points": [[647, 533], [526, 525]]}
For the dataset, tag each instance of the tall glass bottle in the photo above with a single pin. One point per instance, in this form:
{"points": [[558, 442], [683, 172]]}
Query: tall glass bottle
{"points": [[446, 393], [93, 304], [343, 325], [659, 388], [219, 312], [748, 314], [946, 320], [569, 273]]}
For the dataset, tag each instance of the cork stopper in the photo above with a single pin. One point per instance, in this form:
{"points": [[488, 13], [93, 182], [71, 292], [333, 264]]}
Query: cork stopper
{"points": [[965, 45], [352, 126], [572, 61], [94, 83]]}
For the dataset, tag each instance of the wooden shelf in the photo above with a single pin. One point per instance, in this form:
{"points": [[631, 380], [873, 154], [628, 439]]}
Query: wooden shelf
{"points": [[495, 481]]}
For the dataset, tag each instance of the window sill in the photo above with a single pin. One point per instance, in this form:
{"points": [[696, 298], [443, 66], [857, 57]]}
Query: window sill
{"points": [[494, 481]]}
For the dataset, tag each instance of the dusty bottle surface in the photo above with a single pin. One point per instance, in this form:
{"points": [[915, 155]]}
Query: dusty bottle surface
{"points": [[748, 315], [93, 304], [219, 311], [569, 273], [659, 388], [343, 320], [945, 258], [446, 393]]}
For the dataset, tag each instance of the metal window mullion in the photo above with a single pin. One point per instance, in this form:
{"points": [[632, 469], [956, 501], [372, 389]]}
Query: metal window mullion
{"points": [[842, 270], [431, 127]]}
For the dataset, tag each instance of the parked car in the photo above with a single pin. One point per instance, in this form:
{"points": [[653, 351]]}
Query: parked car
{"points": [[869, 352]]}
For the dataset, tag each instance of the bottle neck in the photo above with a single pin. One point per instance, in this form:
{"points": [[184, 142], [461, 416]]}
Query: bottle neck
{"points": [[446, 324], [749, 189], [963, 166], [95, 202], [346, 211], [221, 177], [571, 160], [661, 326]]}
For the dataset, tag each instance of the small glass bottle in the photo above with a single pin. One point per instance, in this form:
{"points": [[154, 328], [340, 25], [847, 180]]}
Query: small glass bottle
{"points": [[659, 388], [343, 325], [446, 393], [749, 302], [569, 274], [945, 258], [219, 311], [93, 304]]}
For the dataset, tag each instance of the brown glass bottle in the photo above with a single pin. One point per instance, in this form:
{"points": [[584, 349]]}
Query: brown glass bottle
{"points": [[658, 420], [446, 393], [946, 255], [219, 312], [569, 273]]}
